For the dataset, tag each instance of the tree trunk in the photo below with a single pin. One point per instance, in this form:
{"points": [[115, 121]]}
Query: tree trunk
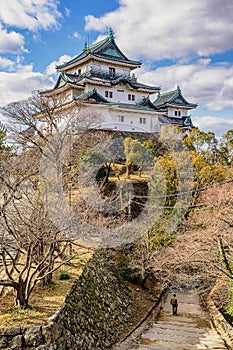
{"points": [[128, 168], [47, 280], [21, 299], [106, 177]]}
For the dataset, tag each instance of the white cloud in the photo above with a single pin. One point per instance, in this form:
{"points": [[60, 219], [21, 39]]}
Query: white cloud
{"points": [[30, 14], [51, 69], [20, 80], [26, 14], [76, 35], [215, 124], [5, 63], [18, 85], [67, 11], [11, 41], [169, 29]]}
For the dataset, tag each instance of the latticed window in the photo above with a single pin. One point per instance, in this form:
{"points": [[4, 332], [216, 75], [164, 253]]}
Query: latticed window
{"points": [[142, 120], [108, 94], [112, 71], [131, 97]]}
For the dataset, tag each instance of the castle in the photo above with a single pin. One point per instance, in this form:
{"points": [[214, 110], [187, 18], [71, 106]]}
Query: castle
{"points": [[103, 76]]}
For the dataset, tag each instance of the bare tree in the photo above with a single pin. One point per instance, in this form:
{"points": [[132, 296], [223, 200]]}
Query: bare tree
{"points": [[31, 246], [33, 121]]}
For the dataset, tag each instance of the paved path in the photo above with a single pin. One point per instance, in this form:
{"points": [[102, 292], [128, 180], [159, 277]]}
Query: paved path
{"points": [[188, 330]]}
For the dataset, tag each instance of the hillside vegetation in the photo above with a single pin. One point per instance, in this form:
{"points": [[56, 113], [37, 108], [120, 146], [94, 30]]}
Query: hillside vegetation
{"points": [[163, 205]]}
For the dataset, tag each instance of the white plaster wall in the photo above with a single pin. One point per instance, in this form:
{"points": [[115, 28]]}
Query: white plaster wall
{"points": [[101, 68], [171, 112], [131, 121], [117, 96], [111, 118], [96, 66]]}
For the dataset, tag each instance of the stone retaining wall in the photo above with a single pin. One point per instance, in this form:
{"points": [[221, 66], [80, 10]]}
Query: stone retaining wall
{"points": [[220, 323], [92, 317]]}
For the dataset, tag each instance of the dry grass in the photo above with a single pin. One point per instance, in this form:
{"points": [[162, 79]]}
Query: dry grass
{"points": [[44, 302]]}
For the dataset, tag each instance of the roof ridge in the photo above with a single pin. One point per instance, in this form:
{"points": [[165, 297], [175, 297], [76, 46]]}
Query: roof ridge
{"points": [[109, 38], [97, 44], [168, 92]]}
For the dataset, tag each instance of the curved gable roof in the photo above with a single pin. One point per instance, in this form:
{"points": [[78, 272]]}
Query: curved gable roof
{"points": [[92, 95], [106, 48], [173, 97], [146, 102]]}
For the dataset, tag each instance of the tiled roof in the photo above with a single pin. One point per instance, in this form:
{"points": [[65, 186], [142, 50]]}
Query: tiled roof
{"points": [[146, 102], [101, 76], [92, 94], [182, 122], [67, 78], [174, 97], [133, 83], [106, 48]]}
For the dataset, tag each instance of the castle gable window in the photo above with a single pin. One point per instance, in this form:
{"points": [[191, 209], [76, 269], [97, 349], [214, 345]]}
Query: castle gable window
{"points": [[108, 94], [142, 120], [112, 71], [131, 97]]}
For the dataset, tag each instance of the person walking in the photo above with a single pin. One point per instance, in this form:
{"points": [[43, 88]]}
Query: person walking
{"points": [[174, 304]]}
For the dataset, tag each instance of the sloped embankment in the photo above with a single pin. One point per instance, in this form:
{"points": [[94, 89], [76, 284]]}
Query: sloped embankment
{"points": [[94, 312]]}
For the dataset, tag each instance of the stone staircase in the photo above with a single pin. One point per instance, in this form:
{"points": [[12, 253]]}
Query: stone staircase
{"points": [[190, 329]]}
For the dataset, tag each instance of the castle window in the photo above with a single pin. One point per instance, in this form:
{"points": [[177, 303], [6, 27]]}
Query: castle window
{"points": [[79, 71], [108, 94], [142, 120], [112, 71], [177, 113], [121, 118], [131, 97]]}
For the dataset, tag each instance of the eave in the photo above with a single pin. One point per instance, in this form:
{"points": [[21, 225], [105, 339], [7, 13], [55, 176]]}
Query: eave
{"points": [[91, 57], [92, 94], [176, 105], [62, 89], [131, 107]]}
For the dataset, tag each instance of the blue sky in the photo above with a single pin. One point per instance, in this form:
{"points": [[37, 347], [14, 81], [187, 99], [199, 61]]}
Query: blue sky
{"points": [[180, 42]]}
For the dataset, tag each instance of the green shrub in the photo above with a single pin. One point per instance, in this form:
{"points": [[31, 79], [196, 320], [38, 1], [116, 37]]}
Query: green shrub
{"points": [[161, 240], [64, 276], [127, 272], [229, 307]]}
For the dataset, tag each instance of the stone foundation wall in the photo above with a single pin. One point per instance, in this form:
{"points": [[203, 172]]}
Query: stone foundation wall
{"points": [[92, 316], [220, 323]]}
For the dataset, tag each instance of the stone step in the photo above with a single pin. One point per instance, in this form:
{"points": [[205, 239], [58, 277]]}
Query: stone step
{"points": [[177, 327], [190, 329]]}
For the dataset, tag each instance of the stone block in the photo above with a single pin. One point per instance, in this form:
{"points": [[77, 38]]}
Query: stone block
{"points": [[33, 336], [51, 332], [3, 342], [17, 342], [11, 331]]}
